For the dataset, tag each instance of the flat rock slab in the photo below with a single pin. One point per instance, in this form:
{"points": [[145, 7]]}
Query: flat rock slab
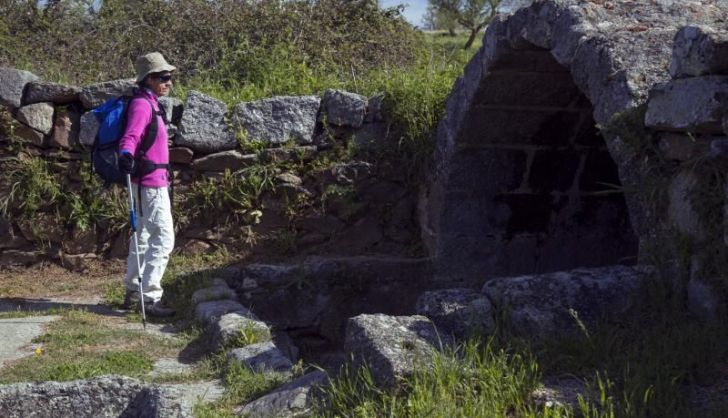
{"points": [[293, 399], [16, 335]]}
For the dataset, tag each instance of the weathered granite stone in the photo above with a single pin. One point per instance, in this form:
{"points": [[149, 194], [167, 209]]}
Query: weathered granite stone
{"points": [[173, 108], [226, 160], [180, 155], [31, 135], [351, 171], [699, 50], [691, 104], [38, 116], [375, 109], [102, 397], [458, 311], [12, 85], [342, 108], [294, 399], [226, 331], [544, 305], [207, 312], [95, 94], [261, 357], [289, 178], [66, 127], [203, 127], [681, 210], [89, 129], [391, 346], [213, 293], [278, 120], [46, 91]]}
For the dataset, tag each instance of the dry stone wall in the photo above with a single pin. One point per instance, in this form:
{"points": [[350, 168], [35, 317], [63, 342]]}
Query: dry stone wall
{"points": [[323, 199]]}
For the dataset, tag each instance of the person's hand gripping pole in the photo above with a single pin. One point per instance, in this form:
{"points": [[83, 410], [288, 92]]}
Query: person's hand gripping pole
{"points": [[132, 220]]}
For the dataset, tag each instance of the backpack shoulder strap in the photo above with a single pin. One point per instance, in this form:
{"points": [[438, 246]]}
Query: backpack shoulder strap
{"points": [[151, 135]]}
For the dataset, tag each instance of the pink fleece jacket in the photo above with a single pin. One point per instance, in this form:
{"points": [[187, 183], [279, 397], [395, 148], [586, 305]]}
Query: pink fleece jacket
{"points": [[139, 117]]}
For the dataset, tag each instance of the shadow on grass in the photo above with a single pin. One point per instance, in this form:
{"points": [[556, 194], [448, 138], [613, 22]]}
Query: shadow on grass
{"points": [[9, 306]]}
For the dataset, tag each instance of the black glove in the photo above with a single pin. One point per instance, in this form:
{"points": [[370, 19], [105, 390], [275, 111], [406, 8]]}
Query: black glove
{"points": [[126, 163]]}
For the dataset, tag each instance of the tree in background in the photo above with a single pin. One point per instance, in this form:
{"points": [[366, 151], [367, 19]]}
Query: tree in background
{"points": [[472, 15]]}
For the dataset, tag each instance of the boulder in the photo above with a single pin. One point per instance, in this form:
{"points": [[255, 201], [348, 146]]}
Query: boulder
{"points": [[12, 85], [65, 129], [89, 128], [203, 127], [31, 135], [46, 91], [234, 327], [278, 120], [207, 312], [458, 311], [232, 160], [180, 155], [38, 116], [173, 108], [545, 305], [213, 293], [101, 397], [294, 399], [391, 346], [342, 108], [262, 357], [699, 50], [681, 210], [95, 94], [690, 104]]}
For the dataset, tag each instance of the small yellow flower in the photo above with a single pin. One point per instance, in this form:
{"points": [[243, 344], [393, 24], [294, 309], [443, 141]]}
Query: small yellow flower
{"points": [[38, 351]]}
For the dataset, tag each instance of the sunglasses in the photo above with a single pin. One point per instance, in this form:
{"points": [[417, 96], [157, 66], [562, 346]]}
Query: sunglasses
{"points": [[164, 77]]}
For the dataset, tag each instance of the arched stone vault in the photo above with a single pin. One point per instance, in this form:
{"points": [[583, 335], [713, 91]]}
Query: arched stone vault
{"points": [[524, 181]]}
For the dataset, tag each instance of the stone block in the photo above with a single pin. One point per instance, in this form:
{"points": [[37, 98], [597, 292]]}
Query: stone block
{"points": [[295, 154], [681, 209], [459, 311], [89, 128], [45, 91], [213, 293], [203, 127], [294, 399], [12, 85], [66, 128], [38, 116], [96, 94], [207, 312], [688, 105], [261, 358], [342, 108], [232, 160], [180, 155], [233, 329], [31, 135], [278, 120], [698, 51], [391, 346], [543, 305]]}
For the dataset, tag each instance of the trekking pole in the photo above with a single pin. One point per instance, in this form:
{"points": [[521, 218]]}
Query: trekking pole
{"points": [[132, 218]]}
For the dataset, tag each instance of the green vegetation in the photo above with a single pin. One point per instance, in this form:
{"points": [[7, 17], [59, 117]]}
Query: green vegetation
{"points": [[78, 346]]}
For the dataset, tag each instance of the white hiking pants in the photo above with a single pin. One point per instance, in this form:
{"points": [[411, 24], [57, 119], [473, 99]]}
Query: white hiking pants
{"points": [[156, 241]]}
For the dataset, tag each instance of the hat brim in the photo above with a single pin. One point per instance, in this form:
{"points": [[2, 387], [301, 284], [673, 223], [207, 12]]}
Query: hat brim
{"points": [[159, 69]]}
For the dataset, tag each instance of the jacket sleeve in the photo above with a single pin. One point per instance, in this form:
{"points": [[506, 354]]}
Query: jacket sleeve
{"points": [[138, 118]]}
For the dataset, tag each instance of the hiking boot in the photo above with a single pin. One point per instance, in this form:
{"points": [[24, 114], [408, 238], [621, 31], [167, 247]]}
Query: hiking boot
{"points": [[131, 299], [158, 309]]}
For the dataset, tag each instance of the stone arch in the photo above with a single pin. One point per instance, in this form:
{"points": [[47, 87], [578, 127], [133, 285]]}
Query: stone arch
{"points": [[520, 169]]}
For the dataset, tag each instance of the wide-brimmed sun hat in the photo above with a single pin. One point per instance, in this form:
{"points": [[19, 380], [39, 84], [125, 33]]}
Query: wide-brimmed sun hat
{"points": [[152, 62]]}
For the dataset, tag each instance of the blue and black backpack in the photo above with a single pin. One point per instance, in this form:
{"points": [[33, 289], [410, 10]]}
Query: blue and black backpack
{"points": [[105, 150]]}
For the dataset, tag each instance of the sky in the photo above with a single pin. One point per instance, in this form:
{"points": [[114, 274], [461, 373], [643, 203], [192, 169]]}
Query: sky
{"points": [[413, 12]]}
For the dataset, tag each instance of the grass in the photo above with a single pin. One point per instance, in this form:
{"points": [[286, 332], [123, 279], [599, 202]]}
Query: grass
{"points": [[81, 345]]}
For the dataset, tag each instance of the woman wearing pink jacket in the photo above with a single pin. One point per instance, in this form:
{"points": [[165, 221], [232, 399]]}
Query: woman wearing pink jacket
{"points": [[150, 184]]}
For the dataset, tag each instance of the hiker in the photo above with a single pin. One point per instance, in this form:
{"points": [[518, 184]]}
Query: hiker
{"points": [[156, 231]]}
